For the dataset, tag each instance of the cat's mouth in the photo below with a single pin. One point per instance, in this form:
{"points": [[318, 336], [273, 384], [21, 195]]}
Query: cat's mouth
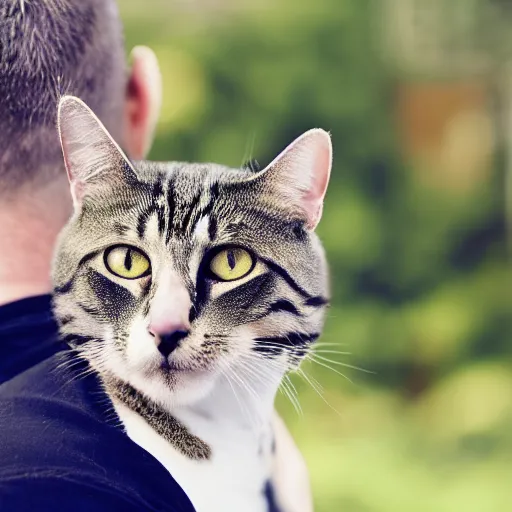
{"points": [[168, 366]]}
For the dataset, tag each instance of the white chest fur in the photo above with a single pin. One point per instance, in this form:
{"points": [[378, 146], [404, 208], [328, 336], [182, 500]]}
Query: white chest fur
{"points": [[232, 480]]}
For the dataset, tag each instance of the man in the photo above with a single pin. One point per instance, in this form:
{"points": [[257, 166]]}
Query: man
{"points": [[60, 447]]}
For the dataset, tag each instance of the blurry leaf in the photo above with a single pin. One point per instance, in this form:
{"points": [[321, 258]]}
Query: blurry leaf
{"points": [[350, 229], [184, 89], [475, 399]]}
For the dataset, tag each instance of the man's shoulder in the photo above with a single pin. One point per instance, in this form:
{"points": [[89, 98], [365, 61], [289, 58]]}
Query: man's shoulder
{"points": [[28, 335], [53, 394], [60, 428], [60, 379]]}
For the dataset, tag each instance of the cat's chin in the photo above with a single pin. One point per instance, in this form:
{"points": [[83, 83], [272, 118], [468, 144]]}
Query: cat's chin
{"points": [[172, 385], [167, 366], [188, 390]]}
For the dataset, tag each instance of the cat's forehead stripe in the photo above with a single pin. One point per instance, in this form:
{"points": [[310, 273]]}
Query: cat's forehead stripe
{"points": [[200, 206], [178, 211]]}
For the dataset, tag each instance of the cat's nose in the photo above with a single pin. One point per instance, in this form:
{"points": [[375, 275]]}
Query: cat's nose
{"points": [[168, 319], [168, 334], [169, 342]]}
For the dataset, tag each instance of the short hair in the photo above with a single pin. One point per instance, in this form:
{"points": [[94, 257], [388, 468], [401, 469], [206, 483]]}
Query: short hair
{"points": [[49, 48]]}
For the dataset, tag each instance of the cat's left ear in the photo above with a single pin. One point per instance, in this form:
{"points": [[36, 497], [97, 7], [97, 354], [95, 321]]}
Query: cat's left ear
{"points": [[299, 175], [94, 162]]}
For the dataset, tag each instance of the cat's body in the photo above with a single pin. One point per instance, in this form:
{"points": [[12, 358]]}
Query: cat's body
{"points": [[191, 289], [235, 477]]}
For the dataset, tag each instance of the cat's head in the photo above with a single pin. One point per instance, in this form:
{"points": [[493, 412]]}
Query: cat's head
{"points": [[170, 276]]}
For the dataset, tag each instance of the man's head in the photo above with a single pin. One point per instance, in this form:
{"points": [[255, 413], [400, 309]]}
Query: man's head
{"points": [[49, 48]]}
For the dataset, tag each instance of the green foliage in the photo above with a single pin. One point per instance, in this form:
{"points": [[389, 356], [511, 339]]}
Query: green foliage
{"points": [[418, 272]]}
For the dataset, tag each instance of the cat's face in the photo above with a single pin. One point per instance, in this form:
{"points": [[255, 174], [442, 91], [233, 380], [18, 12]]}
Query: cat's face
{"points": [[171, 275]]}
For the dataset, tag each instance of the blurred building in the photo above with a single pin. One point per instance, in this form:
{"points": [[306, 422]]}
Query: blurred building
{"points": [[454, 91]]}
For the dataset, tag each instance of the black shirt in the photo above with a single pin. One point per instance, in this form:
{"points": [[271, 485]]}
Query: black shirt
{"points": [[28, 335], [60, 444]]}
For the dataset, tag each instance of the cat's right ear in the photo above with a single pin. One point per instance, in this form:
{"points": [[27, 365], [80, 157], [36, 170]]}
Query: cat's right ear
{"points": [[93, 160], [297, 178]]}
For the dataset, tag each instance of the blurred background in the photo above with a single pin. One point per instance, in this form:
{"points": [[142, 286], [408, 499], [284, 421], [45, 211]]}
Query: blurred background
{"points": [[418, 97]]}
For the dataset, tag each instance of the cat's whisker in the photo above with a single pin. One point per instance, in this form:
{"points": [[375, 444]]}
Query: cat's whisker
{"points": [[81, 375], [317, 384], [333, 370], [69, 363], [258, 373], [248, 152], [280, 366], [257, 356], [294, 396], [286, 386], [279, 347], [244, 386], [263, 375], [313, 356], [255, 371], [286, 392], [277, 361], [76, 357], [330, 344], [242, 408], [322, 351], [303, 374], [250, 391]]}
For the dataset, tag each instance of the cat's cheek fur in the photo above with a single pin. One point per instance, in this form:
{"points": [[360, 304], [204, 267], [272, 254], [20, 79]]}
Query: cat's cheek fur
{"points": [[103, 355], [141, 351]]}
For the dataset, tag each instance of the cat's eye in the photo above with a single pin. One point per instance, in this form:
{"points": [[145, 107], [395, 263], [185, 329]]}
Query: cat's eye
{"points": [[231, 263], [127, 262]]}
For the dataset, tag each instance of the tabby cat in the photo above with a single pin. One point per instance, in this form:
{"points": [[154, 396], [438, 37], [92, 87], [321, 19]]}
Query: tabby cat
{"points": [[191, 289]]}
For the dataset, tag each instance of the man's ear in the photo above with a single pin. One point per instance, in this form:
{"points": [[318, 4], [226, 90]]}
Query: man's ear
{"points": [[142, 103], [298, 177], [94, 162]]}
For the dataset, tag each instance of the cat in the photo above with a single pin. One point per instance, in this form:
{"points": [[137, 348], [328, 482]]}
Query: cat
{"points": [[191, 289]]}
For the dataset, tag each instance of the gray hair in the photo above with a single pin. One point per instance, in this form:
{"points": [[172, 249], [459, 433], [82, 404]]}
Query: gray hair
{"points": [[49, 48]]}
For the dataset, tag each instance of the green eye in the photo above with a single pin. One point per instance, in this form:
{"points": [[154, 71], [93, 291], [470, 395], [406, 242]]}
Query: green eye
{"points": [[231, 264], [127, 262]]}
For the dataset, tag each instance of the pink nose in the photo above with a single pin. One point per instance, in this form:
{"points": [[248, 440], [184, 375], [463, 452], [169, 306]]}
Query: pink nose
{"points": [[169, 342], [163, 326], [169, 313], [168, 333]]}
